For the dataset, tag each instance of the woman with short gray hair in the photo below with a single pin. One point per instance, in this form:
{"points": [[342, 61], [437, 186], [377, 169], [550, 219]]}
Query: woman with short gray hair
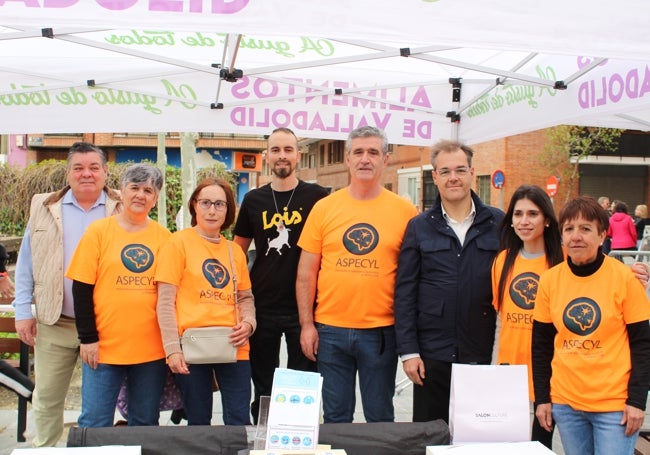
{"points": [[115, 300]]}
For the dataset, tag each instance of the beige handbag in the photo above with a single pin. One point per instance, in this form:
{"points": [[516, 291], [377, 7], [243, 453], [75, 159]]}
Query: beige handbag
{"points": [[212, 344]]}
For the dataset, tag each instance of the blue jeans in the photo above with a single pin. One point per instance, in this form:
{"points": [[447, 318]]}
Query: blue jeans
{"points": [[592, 433], [234, 381], [100, 387], [342, 353]]}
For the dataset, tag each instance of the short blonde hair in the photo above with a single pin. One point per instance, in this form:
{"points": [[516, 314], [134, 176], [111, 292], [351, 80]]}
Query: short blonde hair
{"points": [[642, 209]]}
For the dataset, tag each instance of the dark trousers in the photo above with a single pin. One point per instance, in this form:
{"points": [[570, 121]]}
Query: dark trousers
{"points": [[607, 245], [431, 400], [14, 380], [265, 353], [540, 434]]}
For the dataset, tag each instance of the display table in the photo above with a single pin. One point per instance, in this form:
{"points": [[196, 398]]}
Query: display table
{"points": [[492, 448], [355, 438], [104, 450]]}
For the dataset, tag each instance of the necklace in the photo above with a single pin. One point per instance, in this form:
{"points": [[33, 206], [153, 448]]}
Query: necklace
{"points": [[208, 238], [285, 208]]}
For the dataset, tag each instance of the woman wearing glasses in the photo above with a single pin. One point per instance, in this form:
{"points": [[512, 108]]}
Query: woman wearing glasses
{"points": [[196, 288]]}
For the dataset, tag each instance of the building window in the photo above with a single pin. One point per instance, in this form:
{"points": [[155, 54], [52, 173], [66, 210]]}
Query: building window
{"points": [[308, 160], [321, 161], [412, 189], [339, 151], [335, 152], [484, 184], [429, 190]]}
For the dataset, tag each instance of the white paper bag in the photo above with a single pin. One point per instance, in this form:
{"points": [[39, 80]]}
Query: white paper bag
{"points": [[489, 403]]}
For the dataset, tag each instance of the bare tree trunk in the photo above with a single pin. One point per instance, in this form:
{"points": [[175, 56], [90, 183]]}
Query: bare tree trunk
{"points": [[572, 179]]}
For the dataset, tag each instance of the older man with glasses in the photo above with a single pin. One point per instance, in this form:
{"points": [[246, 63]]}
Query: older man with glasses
{"points": [[443, 292]]}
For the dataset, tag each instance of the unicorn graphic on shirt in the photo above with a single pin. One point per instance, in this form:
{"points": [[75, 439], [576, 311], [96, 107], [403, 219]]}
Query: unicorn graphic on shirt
{"points": [[281, 240]]}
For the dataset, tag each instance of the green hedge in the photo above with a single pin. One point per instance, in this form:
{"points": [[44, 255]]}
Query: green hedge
{"points": [[19, 185]]}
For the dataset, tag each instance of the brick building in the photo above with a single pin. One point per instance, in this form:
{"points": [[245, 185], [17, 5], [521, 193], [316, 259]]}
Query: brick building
{"points": [[522, 159]]}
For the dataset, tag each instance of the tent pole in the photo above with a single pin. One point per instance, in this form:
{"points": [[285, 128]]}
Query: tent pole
{"points": [[188, 173], [161, 162]]}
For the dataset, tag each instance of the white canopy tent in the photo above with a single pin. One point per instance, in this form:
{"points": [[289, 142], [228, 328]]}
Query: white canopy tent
{"points": [[420, 69]]}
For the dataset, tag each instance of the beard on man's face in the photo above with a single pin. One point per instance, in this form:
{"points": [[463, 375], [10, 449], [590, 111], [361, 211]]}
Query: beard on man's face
{"points": [[282, 172]]}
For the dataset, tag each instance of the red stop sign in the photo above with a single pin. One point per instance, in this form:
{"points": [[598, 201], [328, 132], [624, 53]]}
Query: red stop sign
{"points": [[552, 184]]}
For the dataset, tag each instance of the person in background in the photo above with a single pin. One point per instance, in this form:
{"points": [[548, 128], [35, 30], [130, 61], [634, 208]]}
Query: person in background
{"points": [[13, 379], [591, 341], [10, 377], [605, 203], [350, 245], [443, 292], [273, 216], [621, 228], [530, 244], [115, 306], [56, 223], [640, 222], [6, 285], [196, 288]]}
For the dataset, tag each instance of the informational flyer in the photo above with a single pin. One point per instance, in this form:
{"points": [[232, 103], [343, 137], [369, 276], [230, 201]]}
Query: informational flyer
{"points": [[294, 410]]}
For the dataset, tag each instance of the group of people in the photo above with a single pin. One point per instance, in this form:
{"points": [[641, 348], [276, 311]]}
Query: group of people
{"points": [[112, 286], [625, 231], [130, 290], [352, 280]]}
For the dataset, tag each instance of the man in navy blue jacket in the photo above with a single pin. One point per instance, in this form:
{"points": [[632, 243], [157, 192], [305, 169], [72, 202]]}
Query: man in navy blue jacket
{"points": [[443, 291]]}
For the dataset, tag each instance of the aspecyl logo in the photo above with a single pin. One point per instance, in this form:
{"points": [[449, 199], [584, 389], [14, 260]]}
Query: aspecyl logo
{"points": [[216, 274], [136, 257], [582, 316], [523, 290], [360, 239]]}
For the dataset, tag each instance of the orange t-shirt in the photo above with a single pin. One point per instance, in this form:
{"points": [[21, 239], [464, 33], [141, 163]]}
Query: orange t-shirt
{"points": [[591, 363], [202, 272], [121, 266], [516, 312], [359, 243]]}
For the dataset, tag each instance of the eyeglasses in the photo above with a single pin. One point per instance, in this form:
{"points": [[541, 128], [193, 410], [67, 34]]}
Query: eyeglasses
{"points": [[205, 204], [459, 171]]}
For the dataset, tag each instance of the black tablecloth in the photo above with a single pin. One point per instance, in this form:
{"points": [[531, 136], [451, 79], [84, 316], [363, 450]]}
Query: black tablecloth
{"points": [[356, 438]]}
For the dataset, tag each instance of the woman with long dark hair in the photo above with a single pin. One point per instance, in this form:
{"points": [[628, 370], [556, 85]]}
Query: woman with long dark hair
{"points": [[531, 244]]}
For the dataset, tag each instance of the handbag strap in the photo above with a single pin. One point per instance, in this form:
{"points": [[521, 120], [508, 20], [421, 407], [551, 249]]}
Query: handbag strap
{"points": [[234, 279]]}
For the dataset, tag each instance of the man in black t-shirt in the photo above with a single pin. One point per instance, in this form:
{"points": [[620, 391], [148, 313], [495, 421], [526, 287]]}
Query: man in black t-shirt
{"points": [[273, 216]]}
